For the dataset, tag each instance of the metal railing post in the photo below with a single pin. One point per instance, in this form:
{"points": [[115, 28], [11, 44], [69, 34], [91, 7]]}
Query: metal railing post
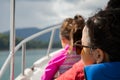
{"points": [[50, 42], [23, 57], [12, 38]]}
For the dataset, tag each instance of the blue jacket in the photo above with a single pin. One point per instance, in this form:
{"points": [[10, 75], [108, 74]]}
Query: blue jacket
{"points": [[103, 71]]}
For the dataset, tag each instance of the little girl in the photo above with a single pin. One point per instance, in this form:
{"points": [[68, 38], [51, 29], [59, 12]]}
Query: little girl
{"points": [[70, 32]]}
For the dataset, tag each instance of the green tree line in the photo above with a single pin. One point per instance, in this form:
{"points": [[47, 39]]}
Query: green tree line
{"points": [[34, 44]]}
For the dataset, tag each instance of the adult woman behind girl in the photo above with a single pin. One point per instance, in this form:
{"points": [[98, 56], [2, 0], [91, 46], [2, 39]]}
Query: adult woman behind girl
{"points": [[100, 42], [67, 56]]}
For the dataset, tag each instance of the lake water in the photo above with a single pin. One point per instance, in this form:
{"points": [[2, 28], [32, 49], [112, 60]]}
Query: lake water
{"points": [[31, 57]]}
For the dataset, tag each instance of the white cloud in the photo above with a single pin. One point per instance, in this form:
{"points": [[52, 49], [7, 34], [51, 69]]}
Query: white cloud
{"points": [[37, 13], [84, 7]]}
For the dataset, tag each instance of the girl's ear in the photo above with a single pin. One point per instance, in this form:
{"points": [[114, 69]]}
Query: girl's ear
{"points": [[98, 55]]}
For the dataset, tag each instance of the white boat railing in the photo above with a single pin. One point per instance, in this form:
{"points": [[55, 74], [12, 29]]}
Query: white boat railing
{"points": [[23, 45]]}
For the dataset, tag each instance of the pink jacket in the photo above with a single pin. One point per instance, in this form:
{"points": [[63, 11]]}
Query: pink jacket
{"points": [[54, 64]]}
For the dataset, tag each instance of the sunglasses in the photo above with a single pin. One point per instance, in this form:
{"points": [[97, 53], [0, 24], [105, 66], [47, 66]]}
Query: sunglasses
{"points": [[79, 45]]}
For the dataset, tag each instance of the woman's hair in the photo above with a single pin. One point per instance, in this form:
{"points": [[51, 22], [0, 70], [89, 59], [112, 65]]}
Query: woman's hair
{"points": [[104, 30], [112, 4], [71, 28]]}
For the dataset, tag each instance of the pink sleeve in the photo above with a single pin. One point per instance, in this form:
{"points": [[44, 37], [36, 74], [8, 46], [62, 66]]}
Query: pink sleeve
{"points": [[54, 64]]}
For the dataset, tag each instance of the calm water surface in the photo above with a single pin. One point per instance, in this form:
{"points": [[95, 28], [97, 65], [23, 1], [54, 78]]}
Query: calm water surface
{"points": [[31, 57]]}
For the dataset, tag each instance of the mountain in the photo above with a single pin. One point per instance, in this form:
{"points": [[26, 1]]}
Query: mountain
{"points": [[26, 32]]}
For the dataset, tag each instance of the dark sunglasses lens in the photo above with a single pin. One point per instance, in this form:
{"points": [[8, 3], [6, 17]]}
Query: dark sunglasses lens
{"points": [[78, 49]]}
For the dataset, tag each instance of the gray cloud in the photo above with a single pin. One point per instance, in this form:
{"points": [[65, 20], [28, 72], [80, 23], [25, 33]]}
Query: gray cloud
{"points": [[40, 13]]}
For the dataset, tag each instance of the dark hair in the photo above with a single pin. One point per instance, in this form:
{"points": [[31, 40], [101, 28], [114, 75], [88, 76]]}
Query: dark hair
{"points": [[72, 28], [105, 32], [112, 4], [76, 33]]}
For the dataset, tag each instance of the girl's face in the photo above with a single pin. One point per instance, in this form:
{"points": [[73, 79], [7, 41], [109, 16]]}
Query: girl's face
{"points": [[64, 41]]}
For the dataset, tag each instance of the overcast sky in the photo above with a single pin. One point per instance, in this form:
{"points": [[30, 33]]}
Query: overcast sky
{"points": [[42, 13]]}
